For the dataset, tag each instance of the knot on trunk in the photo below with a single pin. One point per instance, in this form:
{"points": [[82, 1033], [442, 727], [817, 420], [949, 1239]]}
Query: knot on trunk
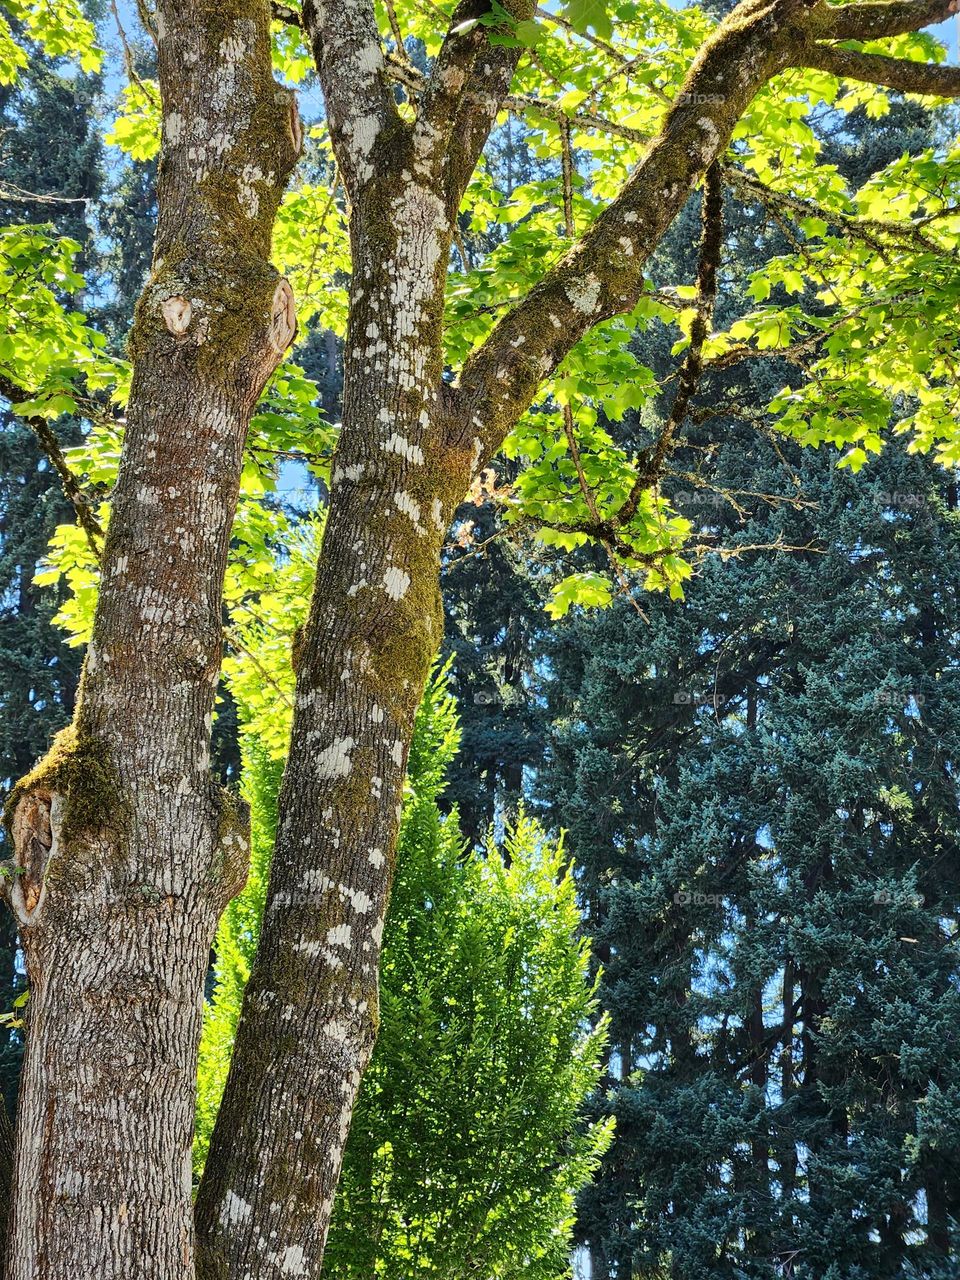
{"points": [[296, 126], [71, 793], [283, 318], [32, 830], [177, 313]]}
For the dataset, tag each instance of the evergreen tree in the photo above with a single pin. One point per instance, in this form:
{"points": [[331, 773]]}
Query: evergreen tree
{"points": [[761, 786], [466, 1149]]}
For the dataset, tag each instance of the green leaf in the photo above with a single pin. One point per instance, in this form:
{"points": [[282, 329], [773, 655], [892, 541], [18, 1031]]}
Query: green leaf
{"points": [[589, 590]]}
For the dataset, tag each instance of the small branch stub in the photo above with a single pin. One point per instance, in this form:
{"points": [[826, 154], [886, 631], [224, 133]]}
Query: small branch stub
{"points": [[177, 313], [33, 842], [283, 321]]}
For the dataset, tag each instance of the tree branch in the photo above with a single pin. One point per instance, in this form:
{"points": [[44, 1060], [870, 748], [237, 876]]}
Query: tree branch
{"points": [[350, 62], [467, 91], [893, 73], [876, 21], [602, 275], [711, 245], [50, 445], [519, 104], [878, 234]]}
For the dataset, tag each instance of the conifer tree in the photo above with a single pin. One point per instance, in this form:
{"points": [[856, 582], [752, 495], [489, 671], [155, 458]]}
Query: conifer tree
{"points": [[466, 1149], [768, 811]]}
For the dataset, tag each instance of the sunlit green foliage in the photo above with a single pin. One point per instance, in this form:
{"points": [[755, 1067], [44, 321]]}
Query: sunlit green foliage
{"points": [[870, 287], [466, 1148], [58, 27]]}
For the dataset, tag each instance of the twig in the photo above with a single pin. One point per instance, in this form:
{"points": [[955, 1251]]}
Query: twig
{"points": [[147, 19], [395, 28], [128, 61], [19, 195], [711, 244], [50, 445]]}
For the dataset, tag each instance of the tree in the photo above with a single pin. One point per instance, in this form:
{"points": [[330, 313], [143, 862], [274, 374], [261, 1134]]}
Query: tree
{"points": [[465, 1148], [127, 850], [776, 885]]}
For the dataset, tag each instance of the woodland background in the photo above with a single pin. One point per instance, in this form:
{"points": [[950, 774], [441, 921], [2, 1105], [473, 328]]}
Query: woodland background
{"points": [[758, 786]]}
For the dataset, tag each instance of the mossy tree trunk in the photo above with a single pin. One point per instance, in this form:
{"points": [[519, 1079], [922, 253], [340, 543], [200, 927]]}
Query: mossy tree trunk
{"points": [[126, 850]]}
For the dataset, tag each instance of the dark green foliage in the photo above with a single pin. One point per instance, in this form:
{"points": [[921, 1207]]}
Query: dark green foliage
{"points": [[760, 789]]}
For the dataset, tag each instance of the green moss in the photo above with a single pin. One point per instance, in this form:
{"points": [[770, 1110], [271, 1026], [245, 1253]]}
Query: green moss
{"points": [[296, 649], [76, 767]]}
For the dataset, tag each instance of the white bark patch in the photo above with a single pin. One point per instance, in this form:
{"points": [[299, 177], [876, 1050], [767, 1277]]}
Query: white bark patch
{"points": [[710, 131], [173, 127], [361, 902], [436, 513], [247, 192], [363, 134], [584, 294], [177, 313], [292, 1262], [396, 582], [235, 1210], [375, 858], [340, 935], [334, 761], [397, 444], [410, 508]]}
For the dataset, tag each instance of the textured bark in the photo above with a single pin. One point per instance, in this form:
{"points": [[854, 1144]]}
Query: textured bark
{"points": [[310, 1011], [127, 851]]}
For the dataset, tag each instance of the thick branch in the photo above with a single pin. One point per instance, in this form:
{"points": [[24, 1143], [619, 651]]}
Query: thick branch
{"points": [[602, 276], [894, 73], [360, 106], [877, 21], [473, 112]]}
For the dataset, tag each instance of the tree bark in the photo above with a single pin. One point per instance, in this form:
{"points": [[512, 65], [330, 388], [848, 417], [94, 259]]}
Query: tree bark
{"points": [[126, 850], [310, 1011]]}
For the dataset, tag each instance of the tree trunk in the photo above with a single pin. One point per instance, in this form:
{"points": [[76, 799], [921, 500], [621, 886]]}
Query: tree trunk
{"points": [[310, 1012], [409, 447], [126, 849]]}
